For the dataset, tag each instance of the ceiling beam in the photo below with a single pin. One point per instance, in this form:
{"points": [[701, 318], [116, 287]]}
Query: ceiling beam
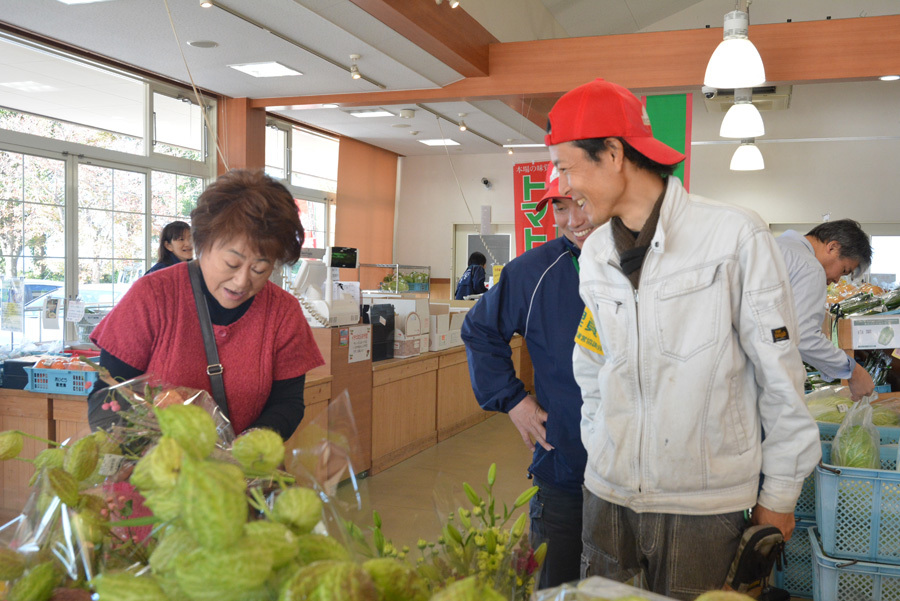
{"points": [[657, 62], [450, 35]]}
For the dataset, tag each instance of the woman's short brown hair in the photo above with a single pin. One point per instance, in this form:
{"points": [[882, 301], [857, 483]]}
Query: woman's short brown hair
{"points": [[249, 204]]}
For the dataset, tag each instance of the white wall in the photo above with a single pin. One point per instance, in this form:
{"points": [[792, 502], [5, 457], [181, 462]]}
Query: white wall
{"points": [[835, 150]]}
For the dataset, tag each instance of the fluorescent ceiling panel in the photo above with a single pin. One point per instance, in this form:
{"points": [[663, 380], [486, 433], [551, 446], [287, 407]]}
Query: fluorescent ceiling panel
{"points": [[269, 69]]}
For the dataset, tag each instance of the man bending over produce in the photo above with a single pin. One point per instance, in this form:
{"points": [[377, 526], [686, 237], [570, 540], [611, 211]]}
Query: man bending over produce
{"points": [[829, 251]]}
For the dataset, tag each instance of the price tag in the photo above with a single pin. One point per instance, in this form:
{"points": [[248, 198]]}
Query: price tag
{"points": [[75, 310], [110, 464], [842, 408]]}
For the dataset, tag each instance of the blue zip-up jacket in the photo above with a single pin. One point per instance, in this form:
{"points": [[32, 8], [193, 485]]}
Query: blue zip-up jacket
{"points": [[537, 297], [471, 282]]}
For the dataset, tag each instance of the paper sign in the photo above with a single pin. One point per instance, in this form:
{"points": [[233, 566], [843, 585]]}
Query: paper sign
{"points": [[75, 311], [876, 332], [360, 344], [13, 295], [50, 313]]}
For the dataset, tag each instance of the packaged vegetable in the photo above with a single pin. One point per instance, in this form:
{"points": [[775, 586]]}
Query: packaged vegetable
{"points": [[857, 442]]}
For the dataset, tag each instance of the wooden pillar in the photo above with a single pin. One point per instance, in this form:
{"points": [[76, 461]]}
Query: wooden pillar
{"points": [[241, 135]]}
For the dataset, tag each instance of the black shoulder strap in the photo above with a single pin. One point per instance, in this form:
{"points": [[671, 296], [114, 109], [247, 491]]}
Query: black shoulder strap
{"points": [[214, 369]]}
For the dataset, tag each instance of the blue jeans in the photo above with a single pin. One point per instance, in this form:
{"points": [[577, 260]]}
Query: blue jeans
{"points": [[681, 556], [556, 520]]}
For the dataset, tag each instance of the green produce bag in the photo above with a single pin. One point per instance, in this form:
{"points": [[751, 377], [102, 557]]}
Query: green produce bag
{"points": [[857, 442]]}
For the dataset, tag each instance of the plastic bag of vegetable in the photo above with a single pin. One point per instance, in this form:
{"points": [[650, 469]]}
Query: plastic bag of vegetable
{"points": [[857, 442], [829, 404]]}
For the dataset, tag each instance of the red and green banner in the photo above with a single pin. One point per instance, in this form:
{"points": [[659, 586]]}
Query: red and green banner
{"points": [[533, 227], [670, 117]]}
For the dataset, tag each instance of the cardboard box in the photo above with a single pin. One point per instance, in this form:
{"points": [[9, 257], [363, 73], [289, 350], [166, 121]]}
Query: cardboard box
{"points": [[405, 306], [439, 318], [407, 346], [409, 325], [438, 341], [456, 338], [869, 332]]}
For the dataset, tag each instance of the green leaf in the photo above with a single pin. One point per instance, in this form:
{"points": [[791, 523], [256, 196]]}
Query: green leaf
{"points": [[378, 539], [525, 497], [473, 496], [492, 474], [376, 519]]}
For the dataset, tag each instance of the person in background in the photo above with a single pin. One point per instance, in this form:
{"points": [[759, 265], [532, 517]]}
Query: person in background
{"points": [[472, 281], [821, 257], [244, 223], [697, 358], [537, 297], [174, 246]]}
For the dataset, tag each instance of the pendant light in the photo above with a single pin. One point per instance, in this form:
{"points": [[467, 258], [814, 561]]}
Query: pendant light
{"points": [[743, 119], [747, 157], [736, 62]]}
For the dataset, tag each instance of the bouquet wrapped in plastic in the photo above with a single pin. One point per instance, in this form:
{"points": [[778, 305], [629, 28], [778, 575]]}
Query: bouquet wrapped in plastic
{"points": [[169, 505]]}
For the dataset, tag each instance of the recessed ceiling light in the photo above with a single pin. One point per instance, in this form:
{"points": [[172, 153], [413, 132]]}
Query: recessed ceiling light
{"points": [[889, 77], [523, 146], [366, 113], [81, 1], [28, 86], [440, 142], [268, 69], [329, 105], [400, 125], [203, 44]]}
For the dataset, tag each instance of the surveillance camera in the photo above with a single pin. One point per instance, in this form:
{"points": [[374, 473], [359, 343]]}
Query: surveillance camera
{"points": [[709, 92], [486, 183]]}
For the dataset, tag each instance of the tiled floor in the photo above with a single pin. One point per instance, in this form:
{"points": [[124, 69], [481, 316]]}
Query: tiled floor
{"points": [[412, 495]]}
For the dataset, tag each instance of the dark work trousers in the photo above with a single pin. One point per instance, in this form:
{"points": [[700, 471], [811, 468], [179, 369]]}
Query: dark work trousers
{"points": [[556, 520]]}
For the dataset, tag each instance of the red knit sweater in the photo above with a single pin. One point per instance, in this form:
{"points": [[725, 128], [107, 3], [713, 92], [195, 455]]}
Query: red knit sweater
{"points": [[155, 329]]}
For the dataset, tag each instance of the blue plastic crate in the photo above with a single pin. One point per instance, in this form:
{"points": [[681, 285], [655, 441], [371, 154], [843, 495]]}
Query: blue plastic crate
{"points": [[858, 510], [889, 434], [418, 287], [842, 580], [806, 504], [796, 575], [883, 389], [60, 381]]}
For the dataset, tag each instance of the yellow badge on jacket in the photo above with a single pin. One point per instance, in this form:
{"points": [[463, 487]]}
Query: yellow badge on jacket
{"points": [[587, 333]]}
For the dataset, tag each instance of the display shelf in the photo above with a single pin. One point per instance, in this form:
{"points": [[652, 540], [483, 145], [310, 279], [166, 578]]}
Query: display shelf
{"points": [[394, 278]]}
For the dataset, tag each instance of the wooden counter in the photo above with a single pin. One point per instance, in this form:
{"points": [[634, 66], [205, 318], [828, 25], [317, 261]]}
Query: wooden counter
{"points": [[419, 401]]}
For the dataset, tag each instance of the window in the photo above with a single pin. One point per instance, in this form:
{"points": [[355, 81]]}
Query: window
{"points": [[314, 160], [83, 196], [885, 267], [70, 100]]}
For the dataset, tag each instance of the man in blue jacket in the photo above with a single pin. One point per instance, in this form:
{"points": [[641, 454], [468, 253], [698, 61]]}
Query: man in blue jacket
{"points": [[537, 297]]}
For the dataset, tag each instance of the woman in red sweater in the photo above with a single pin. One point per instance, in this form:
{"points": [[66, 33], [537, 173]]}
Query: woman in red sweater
{"points": [[244, 224]]}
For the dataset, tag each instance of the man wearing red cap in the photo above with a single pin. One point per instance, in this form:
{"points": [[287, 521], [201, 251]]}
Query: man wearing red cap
{"points": [[697, 326], [537, 297]]}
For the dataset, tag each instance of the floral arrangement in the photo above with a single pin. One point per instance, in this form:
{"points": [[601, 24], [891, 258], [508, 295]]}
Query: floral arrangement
{"points": [[170, 506]]}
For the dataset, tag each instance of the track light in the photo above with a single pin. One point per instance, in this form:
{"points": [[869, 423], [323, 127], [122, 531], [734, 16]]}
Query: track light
{"points": [[205, 3], [509, 151], [747, 157], [354, 70], [743, 119], [454, 3], [736, 62], [462, 123]]}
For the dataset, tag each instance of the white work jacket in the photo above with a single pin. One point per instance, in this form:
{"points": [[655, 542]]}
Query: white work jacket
{"points": [[697, 365]]}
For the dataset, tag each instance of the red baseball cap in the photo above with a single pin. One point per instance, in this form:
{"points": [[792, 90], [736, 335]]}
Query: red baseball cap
{"points": [[552, 189], [602, 109]]}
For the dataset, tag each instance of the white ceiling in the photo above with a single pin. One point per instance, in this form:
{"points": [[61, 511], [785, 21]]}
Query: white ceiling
{"points": [[153, 34]]}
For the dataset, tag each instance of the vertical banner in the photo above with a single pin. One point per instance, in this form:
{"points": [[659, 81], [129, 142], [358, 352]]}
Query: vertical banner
{"points": [[533, 227], [670, 117]]}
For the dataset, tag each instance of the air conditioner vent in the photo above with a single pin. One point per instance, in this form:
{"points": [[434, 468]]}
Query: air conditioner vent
{"points": [[765, 98]]}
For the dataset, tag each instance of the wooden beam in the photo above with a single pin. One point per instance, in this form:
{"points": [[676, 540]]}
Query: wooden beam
{"points": [[448, 34], [241, 135], [657, 62]]}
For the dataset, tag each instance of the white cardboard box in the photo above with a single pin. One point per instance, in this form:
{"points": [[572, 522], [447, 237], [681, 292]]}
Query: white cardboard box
{"points": [[408, 346], [439, 317], [438, 341], [406, 306]]}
